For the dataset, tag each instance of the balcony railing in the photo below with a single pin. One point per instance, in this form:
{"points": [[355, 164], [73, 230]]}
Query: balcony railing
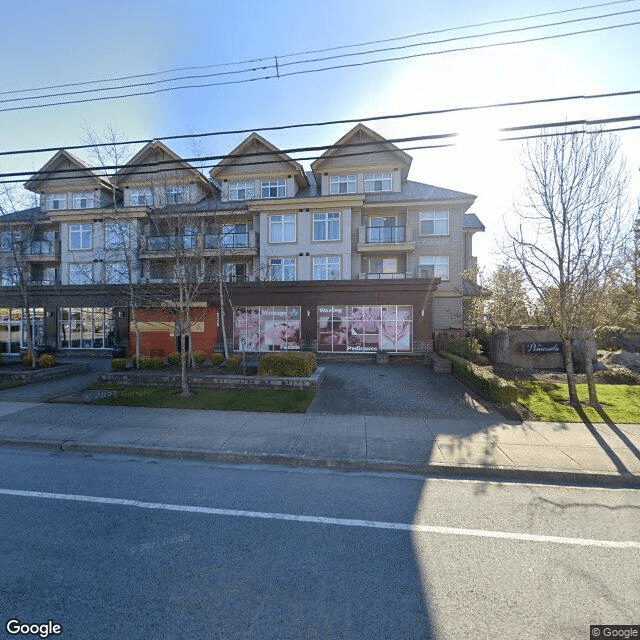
{"points": [[226, 241], [379, 235], [170, 243], [386, 276]]}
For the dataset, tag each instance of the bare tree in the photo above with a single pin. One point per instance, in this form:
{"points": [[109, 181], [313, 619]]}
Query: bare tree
{"points": [[571, 227], [18, 243]]}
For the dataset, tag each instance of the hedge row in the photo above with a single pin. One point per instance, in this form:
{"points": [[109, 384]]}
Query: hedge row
{"points": [[498, 389], [288, 363]]}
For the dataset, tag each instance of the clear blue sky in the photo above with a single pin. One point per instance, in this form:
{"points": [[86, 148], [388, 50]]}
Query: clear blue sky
{"points": [[47, 43]]}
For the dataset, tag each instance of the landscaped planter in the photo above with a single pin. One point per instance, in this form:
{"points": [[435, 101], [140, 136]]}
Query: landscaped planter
{"points": [[210, 380], [38, 375]]}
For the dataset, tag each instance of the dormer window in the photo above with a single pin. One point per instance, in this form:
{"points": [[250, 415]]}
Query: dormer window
{"points": [[241, 190], [274, 188], [140, 197], [175, 195], [342, 184], [56, 201], [83, 200], [378, 181]]}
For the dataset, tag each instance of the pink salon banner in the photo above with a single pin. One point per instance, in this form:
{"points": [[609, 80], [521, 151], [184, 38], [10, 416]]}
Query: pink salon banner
{"points": [[365, 328], [266, 328]]}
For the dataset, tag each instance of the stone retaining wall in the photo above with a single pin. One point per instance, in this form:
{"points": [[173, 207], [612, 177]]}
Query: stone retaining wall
{"points": [[208, 381], [38, 375]]}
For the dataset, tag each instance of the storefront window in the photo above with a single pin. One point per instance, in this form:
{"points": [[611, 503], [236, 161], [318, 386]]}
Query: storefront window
{"points": [[14, 328], [365, 328], [266, 329], [85, 328]]}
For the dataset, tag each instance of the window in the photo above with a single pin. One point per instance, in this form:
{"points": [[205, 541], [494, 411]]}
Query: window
{"points": [[9, 277], [326, 226], [175, 195], [140, 197], [57, 201], [83, 200], [274, 189], [117, 235], [384, 229], [80, 236], [440, 265], [434, 223], [282, 269], [234, 235], [326, 268], [189, 238], [7, 240], [116, 273], [241, 190], [81, 273], [378, 181], [342, 184], [282, 228], [235, 272], [383, 265]]}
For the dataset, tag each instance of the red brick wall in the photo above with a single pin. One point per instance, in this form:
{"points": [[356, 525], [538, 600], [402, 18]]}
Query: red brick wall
{"points": [[161, 342]]}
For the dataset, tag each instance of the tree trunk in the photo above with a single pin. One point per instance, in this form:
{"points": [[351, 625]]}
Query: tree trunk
{"points": [[222, 322], [183, 363], [571, 376], [588, 342]]}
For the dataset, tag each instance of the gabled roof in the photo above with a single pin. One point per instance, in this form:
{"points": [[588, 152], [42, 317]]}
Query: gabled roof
{"points": [[364, 141], [412, 190], [251, 145], [34, 214], [144, 158], [471, 222], [74, 164]]}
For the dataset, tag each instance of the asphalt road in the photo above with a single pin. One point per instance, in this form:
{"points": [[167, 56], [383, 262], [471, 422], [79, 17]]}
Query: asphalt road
{"points": [[114, 547]]}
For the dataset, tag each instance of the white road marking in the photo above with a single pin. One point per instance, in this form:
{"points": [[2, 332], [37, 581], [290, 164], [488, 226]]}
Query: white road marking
{"points": [[342, 522]]}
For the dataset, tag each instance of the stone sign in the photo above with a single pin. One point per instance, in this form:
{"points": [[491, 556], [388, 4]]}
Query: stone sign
{"points": [[542, 347]]}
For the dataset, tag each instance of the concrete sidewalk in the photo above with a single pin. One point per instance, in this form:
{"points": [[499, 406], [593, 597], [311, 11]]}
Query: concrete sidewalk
{"points": [[487, 446]]}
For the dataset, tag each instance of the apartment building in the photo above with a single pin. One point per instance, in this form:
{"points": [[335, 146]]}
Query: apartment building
{"points": [[349, 256]]}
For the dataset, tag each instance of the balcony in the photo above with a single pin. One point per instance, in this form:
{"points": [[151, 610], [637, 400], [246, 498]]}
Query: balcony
{"points": [[44, 250], [168, 245], [239, 244], [385, 239]]}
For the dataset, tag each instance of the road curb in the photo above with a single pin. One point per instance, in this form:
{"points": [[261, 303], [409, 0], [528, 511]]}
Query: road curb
{"points": [[511, 474]]}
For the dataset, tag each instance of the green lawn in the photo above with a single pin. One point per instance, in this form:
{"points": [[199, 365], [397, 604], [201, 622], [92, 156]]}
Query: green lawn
{"points": [[620, 402], [271, 400], [8, 384]]}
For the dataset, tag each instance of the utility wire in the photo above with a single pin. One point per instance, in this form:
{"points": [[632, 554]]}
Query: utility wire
{"points": [[308, 61], [312, 51], [279, 75], [325, 123], [156, 166]]}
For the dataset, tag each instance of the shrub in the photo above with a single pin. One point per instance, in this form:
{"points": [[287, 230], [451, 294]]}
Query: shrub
{"points": [[232, 362], [288, 363], [607, 338], [151, 362], [498, 389], [47, 360], [27, 359], [217, 358], [199, 357], [467, 348], [118, 364], [174, 357], [616, 375]]}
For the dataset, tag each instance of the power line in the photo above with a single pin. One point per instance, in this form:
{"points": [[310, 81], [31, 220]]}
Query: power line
{"points": [[308, 61], [300, 125], [279, 75], [336, 48], [63, 174]]}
